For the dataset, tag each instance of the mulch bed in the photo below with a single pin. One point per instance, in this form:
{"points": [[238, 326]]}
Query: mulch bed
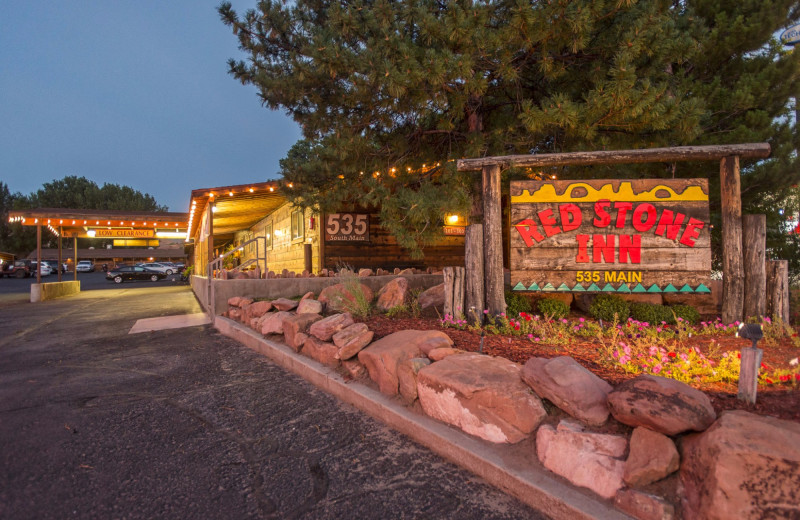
{"points": [[778, 401]]}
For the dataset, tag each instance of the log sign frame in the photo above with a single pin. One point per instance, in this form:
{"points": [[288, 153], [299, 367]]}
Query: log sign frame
{"points": [[642, 235]]}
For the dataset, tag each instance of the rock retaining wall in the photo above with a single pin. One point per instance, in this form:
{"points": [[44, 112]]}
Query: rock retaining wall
{"points": [[641, 444]]}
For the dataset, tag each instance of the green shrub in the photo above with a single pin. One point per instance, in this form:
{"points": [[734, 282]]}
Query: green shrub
{"points": [[516, 303], [553, 308], [605, 306], [687, 312], [651, 313]]}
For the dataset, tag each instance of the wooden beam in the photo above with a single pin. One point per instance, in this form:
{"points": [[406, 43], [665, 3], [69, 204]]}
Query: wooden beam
{"points": [[38, 253], [672, 154], [493, 241], [754, 243], [732, 261]]}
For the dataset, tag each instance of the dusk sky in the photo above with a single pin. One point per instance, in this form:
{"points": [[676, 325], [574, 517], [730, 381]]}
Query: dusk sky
{"points": [[131, 93]]}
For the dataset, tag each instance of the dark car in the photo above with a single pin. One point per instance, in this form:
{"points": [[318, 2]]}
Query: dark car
{"points": [[133, 272]]}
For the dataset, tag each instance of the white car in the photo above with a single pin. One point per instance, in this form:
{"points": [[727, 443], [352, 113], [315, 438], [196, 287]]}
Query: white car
{"points": [[161, 268], [85, 266], [44, 269]]}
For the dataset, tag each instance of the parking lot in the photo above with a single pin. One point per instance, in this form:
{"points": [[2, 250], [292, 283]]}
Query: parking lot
{"points": [[13, 289]]}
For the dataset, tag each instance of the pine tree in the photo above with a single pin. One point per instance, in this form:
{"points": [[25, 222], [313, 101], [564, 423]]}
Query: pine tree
{"points": [[382, 88]]}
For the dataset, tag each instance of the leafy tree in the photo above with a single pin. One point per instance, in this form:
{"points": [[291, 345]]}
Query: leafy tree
{"points": [[382, 88], [79, 192], [14, 238]]}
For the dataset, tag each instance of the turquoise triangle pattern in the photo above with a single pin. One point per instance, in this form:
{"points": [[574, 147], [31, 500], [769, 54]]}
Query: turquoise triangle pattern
{"points": [[702, 289], [687, 288], [624, 288], [654, 288], [520, 287], [563, 287], [609, 288], [670, 288], [534, 287], [548, 287], [579, 287], [639, 288], [593, 287]]}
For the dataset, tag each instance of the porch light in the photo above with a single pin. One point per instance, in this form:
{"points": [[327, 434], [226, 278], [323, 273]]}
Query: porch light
{"points": [[452, 219], [92, 233]]}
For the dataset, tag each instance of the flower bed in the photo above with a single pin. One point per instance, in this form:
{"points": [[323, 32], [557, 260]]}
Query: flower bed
{"points": [[705, 355]]}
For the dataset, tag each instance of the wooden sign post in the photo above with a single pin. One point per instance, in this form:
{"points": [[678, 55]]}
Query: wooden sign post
{"points": [[728, 155]]}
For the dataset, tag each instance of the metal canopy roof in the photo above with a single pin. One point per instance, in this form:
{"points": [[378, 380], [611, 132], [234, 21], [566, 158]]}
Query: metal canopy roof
{"points": [[236, 207], [79, 222]]}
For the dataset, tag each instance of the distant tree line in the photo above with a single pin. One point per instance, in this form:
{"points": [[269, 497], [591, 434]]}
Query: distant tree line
{"points": [[69, 192]]}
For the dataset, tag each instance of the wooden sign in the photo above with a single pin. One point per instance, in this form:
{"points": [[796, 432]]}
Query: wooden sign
{"points": [[347, 227], [124, 233], [622, 236], [454, 230]]}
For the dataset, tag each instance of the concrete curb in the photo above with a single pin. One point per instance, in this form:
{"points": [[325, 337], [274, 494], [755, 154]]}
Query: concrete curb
{"points": [[534, 486]]}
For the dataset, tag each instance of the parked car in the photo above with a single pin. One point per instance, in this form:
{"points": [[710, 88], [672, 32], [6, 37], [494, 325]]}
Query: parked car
{"points": [[176, 268], [134, 272], [54, 263], [19, 269], [84, 266], [44, 269], [160, 267]]}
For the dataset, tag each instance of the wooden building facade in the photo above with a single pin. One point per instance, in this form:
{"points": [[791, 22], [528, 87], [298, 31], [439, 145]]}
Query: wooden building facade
{"points": [[255, 225]]}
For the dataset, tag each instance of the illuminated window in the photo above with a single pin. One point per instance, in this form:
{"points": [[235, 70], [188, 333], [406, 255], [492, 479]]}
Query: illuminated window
{"points": [[268, 234], [298, 230]]}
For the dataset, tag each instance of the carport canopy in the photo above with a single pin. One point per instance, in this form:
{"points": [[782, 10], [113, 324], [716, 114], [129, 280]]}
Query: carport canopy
{"points": [[88, 223]]}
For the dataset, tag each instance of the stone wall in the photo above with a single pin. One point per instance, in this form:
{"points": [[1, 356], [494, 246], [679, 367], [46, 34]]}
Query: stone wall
{"points": [[652, 445]]}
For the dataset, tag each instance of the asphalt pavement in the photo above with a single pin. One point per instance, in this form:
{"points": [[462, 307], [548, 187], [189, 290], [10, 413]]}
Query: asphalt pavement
{"points": [[186, 423]]}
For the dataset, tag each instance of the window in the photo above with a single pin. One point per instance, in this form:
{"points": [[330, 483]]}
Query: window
{"points": [[268, 235], [298, 230]]}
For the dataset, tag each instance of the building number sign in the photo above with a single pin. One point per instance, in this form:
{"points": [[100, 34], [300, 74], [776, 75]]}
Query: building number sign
{"points": [[347, 227]]}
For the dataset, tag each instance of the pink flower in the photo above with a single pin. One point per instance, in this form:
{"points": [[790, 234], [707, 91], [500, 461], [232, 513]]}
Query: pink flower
{"points": [[581, 320], [657, 368]]}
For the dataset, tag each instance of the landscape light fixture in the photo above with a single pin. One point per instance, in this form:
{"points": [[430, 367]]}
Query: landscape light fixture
{"points": [[750, 362]]}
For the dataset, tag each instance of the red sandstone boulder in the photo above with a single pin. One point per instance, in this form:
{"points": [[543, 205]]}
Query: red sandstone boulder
{"points": [[393, 294], [440, 353], [482, 395], [258, 309], [652, 457], [238, 301], [383, 356], [433, 297], [296, 324], [235, 314], [325, 328], [661, 404], [643, 506], [341, 297], [434, 341], [308, 295], [272, 323], [354, 368], [363, 273], [284, 304], [745, 466], [407, 377], [351, 340], [587, 459], [309, 306], [569, 386], [321, 351]]}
